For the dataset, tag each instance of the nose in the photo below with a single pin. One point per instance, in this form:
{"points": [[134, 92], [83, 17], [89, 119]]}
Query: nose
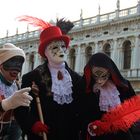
{"points": [[60, 49], [99, 80]]}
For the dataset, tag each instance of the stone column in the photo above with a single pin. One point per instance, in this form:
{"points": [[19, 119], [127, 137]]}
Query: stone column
{"points": [[25, 67], [67, 58], [82, 59], [120, 58], [136, 53], [96, 47], [78, 59], [138, 7], [114, 54], [36, 59]]}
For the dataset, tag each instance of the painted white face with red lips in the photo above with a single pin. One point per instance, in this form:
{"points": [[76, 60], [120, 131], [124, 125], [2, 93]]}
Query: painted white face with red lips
{"points": [[55, 52]]}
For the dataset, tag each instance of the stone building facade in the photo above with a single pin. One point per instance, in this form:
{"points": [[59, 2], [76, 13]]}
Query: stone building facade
{"points": [[116, 33]]}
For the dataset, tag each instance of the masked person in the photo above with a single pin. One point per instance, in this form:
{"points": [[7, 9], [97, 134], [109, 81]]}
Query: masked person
{"points": [[11, 61], [58, 86], [105, 89]]}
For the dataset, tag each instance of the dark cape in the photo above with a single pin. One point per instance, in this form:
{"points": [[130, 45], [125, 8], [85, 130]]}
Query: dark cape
{"points": [[62, 120], [90, 101]]}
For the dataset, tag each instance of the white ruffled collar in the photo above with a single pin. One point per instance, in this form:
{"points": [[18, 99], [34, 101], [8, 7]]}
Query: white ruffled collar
{"points": [[109, 96], [61, 89]]}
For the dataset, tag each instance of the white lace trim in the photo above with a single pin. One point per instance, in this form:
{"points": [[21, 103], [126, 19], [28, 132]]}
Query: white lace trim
{"points": [[109, 96], [7, 90], [62, 89]]}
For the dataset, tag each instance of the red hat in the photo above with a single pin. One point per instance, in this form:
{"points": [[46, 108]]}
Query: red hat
{"points": [[50, 34]]}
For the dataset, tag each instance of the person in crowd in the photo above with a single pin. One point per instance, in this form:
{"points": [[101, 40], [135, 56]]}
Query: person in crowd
{"points": [[57, 88], [104, 89], [11, 61]]}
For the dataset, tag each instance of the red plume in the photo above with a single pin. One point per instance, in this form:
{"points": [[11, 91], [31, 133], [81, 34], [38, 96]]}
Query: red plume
{"points": [[120, 118], [35, 21]]}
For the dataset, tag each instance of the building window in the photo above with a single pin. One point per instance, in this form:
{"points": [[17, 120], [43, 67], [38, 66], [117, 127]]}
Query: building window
{"points": [[32, 61], [88, 53], [106, 49], [127, 55]]}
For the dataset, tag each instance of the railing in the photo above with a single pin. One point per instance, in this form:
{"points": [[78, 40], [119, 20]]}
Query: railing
{"points": [[99, 19], [125, 13], [131, 73], [20, 37]]}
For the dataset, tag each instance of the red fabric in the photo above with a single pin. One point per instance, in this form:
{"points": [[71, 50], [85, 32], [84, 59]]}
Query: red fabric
{"points": [[118, 82], [39, 127], [88, 75], [59, 75], [120, 118]]}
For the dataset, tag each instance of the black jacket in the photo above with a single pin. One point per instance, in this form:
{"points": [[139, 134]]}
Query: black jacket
{"points": [[62, 120]]}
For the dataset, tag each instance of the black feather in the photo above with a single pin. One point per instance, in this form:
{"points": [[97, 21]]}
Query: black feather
{"points": [[64, 25]]}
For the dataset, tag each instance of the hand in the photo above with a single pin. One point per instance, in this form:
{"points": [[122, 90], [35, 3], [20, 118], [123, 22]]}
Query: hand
{"points": [[91, 129], [98, 127], [19, 98], [96, 88], [39, 127]]}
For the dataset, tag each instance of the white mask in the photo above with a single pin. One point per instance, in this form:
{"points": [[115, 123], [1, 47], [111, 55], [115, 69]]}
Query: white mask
{"points": [[55, 52]]}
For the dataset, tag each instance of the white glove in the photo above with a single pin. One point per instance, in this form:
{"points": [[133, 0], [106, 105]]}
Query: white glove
{"points": [[19, 98]]}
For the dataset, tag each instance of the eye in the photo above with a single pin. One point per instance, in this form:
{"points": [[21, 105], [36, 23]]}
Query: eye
{"points": [[63, 46], [95, 77], [55, 47], [104, 76]]}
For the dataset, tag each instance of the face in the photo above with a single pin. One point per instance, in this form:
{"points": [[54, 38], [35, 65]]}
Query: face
{"points": [[11, 68], [100, 75], [9, 75], [55, 52]]}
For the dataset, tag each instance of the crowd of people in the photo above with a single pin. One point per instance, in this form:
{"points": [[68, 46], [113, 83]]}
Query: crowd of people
{"points": [[56, 103]]}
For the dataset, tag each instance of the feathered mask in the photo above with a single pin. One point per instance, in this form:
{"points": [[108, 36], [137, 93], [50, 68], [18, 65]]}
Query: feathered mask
{"points": [[49, 32]]}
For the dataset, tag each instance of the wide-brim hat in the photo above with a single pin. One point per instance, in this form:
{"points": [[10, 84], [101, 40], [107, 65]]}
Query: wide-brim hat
{"points": [[50, 34]]}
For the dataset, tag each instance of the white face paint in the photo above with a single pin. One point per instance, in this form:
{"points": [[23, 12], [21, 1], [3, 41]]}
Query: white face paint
{"points": [[55, 52]]}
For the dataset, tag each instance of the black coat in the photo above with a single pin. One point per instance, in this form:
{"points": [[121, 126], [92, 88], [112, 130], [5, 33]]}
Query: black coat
{"points": [[90, 101], [62, 120], [90, 112]]}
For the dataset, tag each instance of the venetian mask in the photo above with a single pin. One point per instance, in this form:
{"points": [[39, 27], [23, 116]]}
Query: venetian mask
{"points": [[100, 75], [55, 52]]}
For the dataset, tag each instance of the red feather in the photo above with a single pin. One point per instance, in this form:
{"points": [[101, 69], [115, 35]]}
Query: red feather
{"points": [[120, 118], [35, 21]]}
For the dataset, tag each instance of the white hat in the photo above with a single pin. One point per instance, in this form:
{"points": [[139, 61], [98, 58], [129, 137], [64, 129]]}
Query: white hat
{"points": [[8, 51]]}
